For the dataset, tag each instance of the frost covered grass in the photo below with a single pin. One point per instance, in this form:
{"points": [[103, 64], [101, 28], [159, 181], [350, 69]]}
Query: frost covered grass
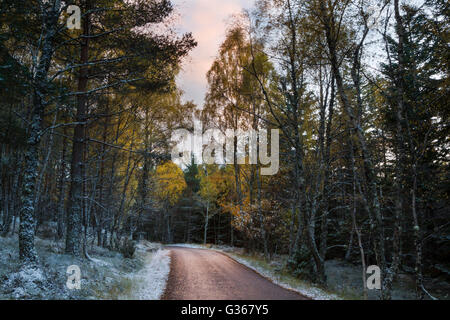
{"points": [[150, 282], [273, 271], [48, 279], [26, 281], [106, 275]]}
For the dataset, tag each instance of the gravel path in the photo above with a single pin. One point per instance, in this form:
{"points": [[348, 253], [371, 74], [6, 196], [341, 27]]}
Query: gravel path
{"points": [[198, 274]]}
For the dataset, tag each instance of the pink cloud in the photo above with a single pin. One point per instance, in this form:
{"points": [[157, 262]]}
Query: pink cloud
{"points": [[207, 20]]}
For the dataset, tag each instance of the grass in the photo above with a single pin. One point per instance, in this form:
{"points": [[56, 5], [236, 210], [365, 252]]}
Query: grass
{"points": [[121, 288]]}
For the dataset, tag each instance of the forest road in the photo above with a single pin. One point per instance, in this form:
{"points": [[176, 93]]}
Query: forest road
{"points": [[200, 274]]}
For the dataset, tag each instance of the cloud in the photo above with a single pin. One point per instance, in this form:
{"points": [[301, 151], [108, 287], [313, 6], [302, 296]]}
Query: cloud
{"points": [[207, 20]]}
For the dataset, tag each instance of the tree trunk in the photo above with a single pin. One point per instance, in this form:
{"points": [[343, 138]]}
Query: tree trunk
{"points": [[27, 252], [206, 224], [75, 206], [61, 192], [356, 228]]}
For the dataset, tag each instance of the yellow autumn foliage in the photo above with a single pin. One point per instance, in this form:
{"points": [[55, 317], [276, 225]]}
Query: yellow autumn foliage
{"points": [[170, 182]]}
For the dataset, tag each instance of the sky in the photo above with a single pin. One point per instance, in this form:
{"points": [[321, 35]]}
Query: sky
{"points": [[207, 20]]}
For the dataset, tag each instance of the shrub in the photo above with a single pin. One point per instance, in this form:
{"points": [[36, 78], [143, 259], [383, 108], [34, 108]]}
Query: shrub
{"points": [[300, 264], [128, 248]]}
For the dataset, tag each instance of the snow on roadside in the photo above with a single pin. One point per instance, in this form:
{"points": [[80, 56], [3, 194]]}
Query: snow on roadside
{"points": [[150, 282], [188, 245], [306, 290]]}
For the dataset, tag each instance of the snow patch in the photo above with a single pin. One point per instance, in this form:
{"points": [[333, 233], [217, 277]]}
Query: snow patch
{"points": [[187, 245], [99, 262]]}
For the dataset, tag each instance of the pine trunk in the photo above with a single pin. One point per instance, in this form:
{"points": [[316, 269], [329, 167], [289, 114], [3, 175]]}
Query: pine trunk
{"points": [[75, 206]]}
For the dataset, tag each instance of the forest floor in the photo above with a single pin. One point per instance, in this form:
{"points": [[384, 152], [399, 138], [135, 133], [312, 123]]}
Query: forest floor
{"points": [[107, 275], [343, 278]]}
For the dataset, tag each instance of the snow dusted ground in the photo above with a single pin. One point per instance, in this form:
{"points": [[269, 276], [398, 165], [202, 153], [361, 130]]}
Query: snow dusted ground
{"points": [[99, 276], [302, 288], [150, 282], [106, 276]]}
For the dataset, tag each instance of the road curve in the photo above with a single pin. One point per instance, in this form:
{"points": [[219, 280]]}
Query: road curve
{"points": [[199, 274]]}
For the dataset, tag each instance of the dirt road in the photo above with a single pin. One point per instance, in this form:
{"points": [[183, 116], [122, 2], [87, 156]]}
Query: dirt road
{"points": [[198, 274]]}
